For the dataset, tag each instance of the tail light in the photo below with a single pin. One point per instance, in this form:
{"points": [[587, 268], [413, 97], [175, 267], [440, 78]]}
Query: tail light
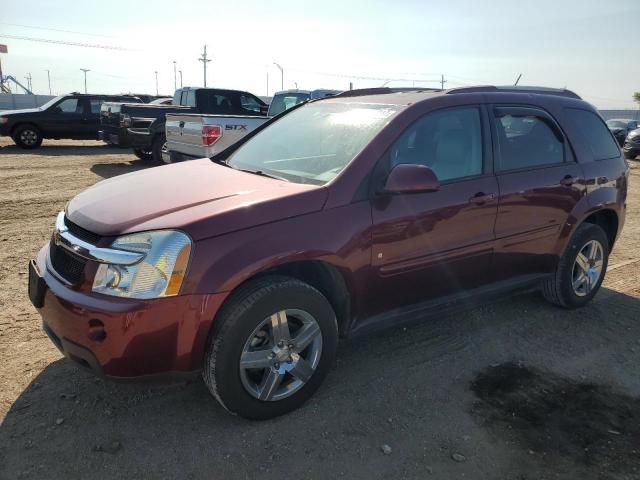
{"points": [[125, 121], [211, 134]]}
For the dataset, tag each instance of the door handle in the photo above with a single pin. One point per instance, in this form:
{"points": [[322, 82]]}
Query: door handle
{"points": [[568, 180], [481, 197]]}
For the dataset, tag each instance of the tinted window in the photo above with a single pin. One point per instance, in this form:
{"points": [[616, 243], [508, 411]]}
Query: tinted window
{"points": [[250, 103], [594, 133], [526, 141], [449, 142], [70, 105], [95, 105]]}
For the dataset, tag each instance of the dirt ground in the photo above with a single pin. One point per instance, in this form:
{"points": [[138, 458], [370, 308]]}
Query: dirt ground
{"points": [[517, 389]]}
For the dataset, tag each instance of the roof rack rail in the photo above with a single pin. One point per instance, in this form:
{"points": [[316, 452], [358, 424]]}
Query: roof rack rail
{"points": [[561, 92], [382, 90]]}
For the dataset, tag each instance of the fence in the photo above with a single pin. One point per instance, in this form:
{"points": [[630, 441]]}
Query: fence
{"points": [[14, 101], [631, 114]]}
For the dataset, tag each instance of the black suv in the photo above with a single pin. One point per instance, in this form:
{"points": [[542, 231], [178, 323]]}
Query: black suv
{"points": [[75, 116]]}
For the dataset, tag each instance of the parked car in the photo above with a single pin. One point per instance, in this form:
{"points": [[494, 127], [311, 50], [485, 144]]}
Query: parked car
{"points": [[194, 136], [631, 147], [288, 98], [142, 127], [621, 128], [339, 217], [74, 116]]}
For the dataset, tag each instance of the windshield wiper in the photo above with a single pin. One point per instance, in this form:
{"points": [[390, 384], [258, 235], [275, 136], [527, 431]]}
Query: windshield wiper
{"points": [[259, 172]]}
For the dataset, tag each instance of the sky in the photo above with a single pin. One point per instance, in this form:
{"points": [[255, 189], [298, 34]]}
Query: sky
{"points": [[589, 46]]}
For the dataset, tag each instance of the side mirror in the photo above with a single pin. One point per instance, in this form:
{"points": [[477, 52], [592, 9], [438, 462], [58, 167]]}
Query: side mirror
{"points": [[411, 178]]}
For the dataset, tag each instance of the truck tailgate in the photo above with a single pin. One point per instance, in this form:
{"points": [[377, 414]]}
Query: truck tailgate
{"points": [[199, 136]]}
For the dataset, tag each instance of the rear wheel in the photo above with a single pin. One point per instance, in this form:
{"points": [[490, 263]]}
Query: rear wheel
{"points": [[159, 147], [271, 347], [27, 136], [581, 269], [143, 153]]}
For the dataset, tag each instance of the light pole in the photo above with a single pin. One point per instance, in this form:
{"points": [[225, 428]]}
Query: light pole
{"points": [[204, 59], [281, 75], [180, 72], [85, 70], [156, 82], [175, 78], [49, 81]]}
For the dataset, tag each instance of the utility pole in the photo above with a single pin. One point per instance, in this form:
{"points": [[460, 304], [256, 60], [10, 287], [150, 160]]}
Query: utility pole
{"points": [[281, 75], [156, 82], [28, 78], [49, 81], [180, 72], [442, 82], [85, 70], [175, 78], [204, 61]]}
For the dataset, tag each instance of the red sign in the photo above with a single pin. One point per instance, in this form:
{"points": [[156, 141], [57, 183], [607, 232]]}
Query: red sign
{"points": [[3, 49]]}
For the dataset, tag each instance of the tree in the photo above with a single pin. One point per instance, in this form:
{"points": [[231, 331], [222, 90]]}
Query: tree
{"points": [[636, 97]]}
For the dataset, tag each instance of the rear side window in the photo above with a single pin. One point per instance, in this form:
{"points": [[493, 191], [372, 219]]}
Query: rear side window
{"points": [[526, 141], [595, 133], [449, 142], [96, 103], [190, 100]]}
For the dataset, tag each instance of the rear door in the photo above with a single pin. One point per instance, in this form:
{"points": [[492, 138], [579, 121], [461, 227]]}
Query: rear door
{"points": [[540, 183], [91, 120], [427, 245]]}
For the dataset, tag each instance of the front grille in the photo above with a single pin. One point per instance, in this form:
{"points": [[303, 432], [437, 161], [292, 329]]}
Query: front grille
{"points": [[81, 233], [66, 264]]}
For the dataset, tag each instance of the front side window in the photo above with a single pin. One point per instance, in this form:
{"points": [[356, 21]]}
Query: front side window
{"points": [[594, 133], [70, 105], [449, 142], [250, 103], [314, 143], [526, 141], [285, 101]]}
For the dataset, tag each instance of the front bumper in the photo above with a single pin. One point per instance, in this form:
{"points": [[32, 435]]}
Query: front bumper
{"points": [[119, 337]]}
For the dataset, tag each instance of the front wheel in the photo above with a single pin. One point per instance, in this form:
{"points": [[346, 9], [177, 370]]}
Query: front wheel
{"points": [[143, 153], [272, 344], [581, 269], [27, 137]]}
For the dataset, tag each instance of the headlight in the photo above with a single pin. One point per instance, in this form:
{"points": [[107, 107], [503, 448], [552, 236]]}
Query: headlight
{"points": [[159, 274]]}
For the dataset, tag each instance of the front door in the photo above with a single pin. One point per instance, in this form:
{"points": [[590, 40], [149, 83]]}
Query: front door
{"points": [[540, 184], [427, 245], [64, 119]]}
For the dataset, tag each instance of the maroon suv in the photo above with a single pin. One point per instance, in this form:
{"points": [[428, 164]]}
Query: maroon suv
{"points": [[342, 216]]}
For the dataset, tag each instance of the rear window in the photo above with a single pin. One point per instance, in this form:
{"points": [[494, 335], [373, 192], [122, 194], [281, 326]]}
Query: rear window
{"points": [[595, 133]]}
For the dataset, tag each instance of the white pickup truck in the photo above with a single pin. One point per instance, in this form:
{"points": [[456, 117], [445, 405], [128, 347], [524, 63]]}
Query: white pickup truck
{"points": [[191, 136]]}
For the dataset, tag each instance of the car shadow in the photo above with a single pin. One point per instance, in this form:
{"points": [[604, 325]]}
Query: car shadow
{"points": [[109, 170], [66, 148], [410, 388]]}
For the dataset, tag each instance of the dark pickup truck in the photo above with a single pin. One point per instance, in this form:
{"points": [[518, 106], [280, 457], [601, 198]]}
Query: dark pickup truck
{"points": [[75, 116], [142, 127]]}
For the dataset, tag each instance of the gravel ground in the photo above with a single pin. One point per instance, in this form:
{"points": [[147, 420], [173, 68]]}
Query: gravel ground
{"points": [[514, 390]]}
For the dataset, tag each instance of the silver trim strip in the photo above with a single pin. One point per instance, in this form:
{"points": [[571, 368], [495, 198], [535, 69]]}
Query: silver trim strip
{"points": [[65, 239]]}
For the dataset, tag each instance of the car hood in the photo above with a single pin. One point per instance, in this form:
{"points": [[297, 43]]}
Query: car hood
{"points": [[201, 197], [4, 113]]}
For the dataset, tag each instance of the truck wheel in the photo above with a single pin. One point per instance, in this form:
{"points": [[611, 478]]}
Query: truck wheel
{"points": [[272, 344], [581, 269], [143, 153], [27, 136], [158, 147]]}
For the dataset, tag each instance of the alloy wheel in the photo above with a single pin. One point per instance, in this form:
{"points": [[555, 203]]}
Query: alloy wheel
{"points": [[587, 268], [281, 355], [28, 137]]}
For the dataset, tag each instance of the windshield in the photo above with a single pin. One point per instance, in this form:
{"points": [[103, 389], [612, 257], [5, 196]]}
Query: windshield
{"points": [[285, 101], [54, 100], [313, 143], [616, 124]]}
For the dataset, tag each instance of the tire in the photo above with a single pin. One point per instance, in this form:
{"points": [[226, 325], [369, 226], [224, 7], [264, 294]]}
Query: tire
{"points": [[158, 146], [242, 391], [559, 288], [27, 137], [143, 154]]}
